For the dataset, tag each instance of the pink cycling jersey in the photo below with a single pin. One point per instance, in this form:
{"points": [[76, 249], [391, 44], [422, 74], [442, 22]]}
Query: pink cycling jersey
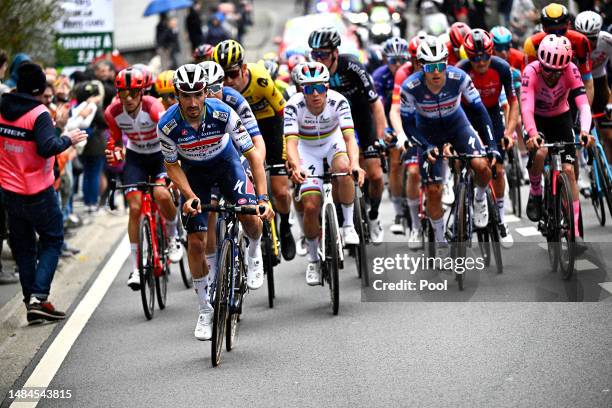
{"points": [[540, 99]]}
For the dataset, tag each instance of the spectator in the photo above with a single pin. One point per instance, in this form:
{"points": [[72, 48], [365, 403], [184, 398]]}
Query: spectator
{"points": [[166, 38], [27, 186], [216, 32], [3, 68], [17, 61], [523, 18], [193, 23], [104, 72], [477, 14], [504, 8]]}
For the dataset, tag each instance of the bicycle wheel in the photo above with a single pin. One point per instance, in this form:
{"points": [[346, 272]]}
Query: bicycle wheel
{"points": [[185, 274], [484, 245], [224, 272], [565, 212], [428, 237], [267, 253], [493, 232], [161, 282], [331, 257], [604, 178], [361, 260], [461, 230], [145, 267], [234, 316], [597, 197], [515, 180]]}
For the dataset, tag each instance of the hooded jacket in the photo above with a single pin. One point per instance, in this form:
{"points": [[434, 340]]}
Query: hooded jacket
{"points": [[19, 58], [28, 144]]}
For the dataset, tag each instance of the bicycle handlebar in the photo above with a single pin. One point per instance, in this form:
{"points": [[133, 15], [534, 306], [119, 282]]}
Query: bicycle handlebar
{"points": [[142, 186], [236, 209]]}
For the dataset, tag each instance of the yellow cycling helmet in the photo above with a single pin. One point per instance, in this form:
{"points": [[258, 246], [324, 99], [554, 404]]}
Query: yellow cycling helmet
{"points": [[163, 83], [229, 54], [270, 56]]}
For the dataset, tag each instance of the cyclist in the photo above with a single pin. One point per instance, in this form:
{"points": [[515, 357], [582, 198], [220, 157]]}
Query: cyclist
{"points": [[203, 53], [318, 125], [165, 89], [490, 75], [555, 19], [395, 51], [546, 86], [255, 84], [148, 74], [589, 23], [136, 115], [456, 34], [273, 67], [292, 62], [350, 78], [432, 115], [208, 156], [214, 75], [502, 48]]}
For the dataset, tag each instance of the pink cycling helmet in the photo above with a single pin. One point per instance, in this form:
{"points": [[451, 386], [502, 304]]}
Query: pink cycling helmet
{"points": [[555, 52]]}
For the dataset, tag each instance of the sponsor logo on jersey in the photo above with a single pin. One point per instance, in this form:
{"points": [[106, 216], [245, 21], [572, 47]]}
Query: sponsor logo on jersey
{"points": [[263, 82], [169, 126], [242, 201], [220, 115], [413, 84], [231, 100], [454, 75]]}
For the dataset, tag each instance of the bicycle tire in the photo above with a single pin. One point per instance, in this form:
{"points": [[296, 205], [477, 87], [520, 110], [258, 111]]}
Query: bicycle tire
{"points": [[234, 316], [565, 208], [268, 262], [493, 232], [220, 307], [461, 230], [145, 267], [185, 274], [597, 199], [607, 182], [331, 257], [428, 238], [517, 204], [484, 245], [360, 251], [161, 282]]}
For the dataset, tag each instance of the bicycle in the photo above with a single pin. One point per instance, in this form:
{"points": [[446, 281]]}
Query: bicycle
{"points": [[601, 180], [514, 175], [153, 260], [182, 234], [270, 245], [363, 231]]}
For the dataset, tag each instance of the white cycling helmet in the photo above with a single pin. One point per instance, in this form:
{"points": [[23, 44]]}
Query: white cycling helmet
{"points": [[588, 23], [189, 78], [311, 73], [431, 50], [213, 72]]}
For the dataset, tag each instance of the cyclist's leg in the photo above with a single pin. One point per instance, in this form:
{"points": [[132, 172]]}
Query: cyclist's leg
{"points": [[133, 173], [367, 139], [413, 185], [395, 180], [211, 237], [433, 179], [311, 161], [157, 171], [499, 182], [345, 186]]}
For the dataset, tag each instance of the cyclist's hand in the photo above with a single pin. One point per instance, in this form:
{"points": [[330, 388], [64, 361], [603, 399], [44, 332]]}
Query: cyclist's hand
{"points": [[76, 136], [494, 156], [115, 155], [187, 209], [431, 154], [533, 143], [297, 175], [269, 213], [390, 136], [586, 139], [448, 150], [360, 174], [507, 142]]}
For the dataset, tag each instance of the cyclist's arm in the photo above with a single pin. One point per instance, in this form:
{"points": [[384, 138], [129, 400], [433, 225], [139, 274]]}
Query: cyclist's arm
{"points": [[395, 118], [590, 89], [582, 103], [586, 67], [175, 172], [408, 115], [345, 120], [380, 121], [291, 133], [512, 114], [275, 98], [472, 97], [528, 86], [113, 128], [376, 106]]}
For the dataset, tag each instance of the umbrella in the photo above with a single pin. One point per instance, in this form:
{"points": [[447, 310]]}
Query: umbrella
{"points": [[162, 6]]}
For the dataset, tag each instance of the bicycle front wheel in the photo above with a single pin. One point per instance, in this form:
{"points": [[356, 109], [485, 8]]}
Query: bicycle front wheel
{"points": [[185, 274], [268, 262], [605, 181], [493, 232], [331, 257], [224, 271], [161, 282], [461, 230], [565, 223], [145, 267], [235, 310], [361, 259]]}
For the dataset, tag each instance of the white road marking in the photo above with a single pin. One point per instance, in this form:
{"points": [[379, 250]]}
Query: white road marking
{"points": [[606, 286], [510, 218], [528, 231], [58, 350], [585, 265], [543, 246]]}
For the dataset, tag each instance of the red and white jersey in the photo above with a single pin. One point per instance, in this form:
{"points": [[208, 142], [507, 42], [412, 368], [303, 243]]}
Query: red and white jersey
{"points": [[141, 130]]}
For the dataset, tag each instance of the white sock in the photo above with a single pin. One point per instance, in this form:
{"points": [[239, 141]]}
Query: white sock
{"points": [[133, 255], [211, 260], [201, 288], [480, 193], [439, 229], [347, 212], [413, 205], [254, 247], [500, 209], [397, 205], [313, 247], [300, 218], [171, 228]]}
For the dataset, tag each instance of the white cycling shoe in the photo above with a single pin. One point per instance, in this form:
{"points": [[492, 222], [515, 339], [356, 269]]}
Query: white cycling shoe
{"points": [[448, 195], [255, 273], [505, 237], [134, 280], [377, 233], [414, 239], [203, 329], [350, 235], [313, 273], [175, 250], [301, 248], [398, 226], [481, 213]]}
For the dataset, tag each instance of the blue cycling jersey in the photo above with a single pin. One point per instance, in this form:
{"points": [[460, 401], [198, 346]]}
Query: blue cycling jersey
{"points": [[210, 143], [383, 82], [432, 119], [237, 102]]}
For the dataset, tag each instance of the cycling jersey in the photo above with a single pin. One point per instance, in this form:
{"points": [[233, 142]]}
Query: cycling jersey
{"points": [[540, 99], [140, 130], [402, 73], [280, 85], [383, 82], [601, 54], [452, 57], [516, 59], [353, 81], [490, 84], [580, 46], [237, 102], [265, 100], [434, 119]]}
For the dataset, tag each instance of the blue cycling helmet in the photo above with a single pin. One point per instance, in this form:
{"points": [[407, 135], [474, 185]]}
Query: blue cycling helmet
{"points": [[501, 35], [395, 47]]}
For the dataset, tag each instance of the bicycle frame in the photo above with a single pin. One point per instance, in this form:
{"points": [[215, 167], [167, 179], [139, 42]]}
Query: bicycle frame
{"points": [[602, 154], [148, 208], [328, 201]]}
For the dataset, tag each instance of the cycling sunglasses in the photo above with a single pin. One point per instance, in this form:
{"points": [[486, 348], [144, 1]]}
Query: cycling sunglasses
{"points": [[551, 72], [502, 47], [310, 89], [233, 74], [396, 60], [133, 93], [320, 55], [436, 66], [214, 88], [480, 57]]}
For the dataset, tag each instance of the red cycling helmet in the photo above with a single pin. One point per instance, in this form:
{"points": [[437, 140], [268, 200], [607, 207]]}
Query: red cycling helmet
{"points": [[477, 42], [130, 78], [148, 75], [457, 33], [294, 60], [413, 45], [203, 52]]}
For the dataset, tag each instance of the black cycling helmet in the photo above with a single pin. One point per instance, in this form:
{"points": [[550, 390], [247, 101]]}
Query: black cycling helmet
{"points": [[326, 37]]}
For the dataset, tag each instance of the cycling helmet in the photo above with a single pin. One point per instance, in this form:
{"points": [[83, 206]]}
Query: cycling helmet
{"points": [[555, 52], [588, 23], [554, 15], [457, 33], [477, 42], [311, 73], [431, 50], [203, 52], [294, 61], [270, 56], [501, 35], [326, 37], [413, 46], [148, 74], [229, 54], [290, 52], [272, 67], [164, 82], [375, 56], [395, 47], [213, 72], [130, 78], [295, 72], [189, 78]]}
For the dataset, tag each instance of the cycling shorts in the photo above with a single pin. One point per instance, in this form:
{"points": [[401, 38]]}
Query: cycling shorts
{"points": [[411, 156], [365, 132], [272, 131], [141, 167], [558, 129], [311, 160]]}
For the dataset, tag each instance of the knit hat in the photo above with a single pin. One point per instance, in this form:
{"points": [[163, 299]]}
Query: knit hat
{"points": [[31, 79]]}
